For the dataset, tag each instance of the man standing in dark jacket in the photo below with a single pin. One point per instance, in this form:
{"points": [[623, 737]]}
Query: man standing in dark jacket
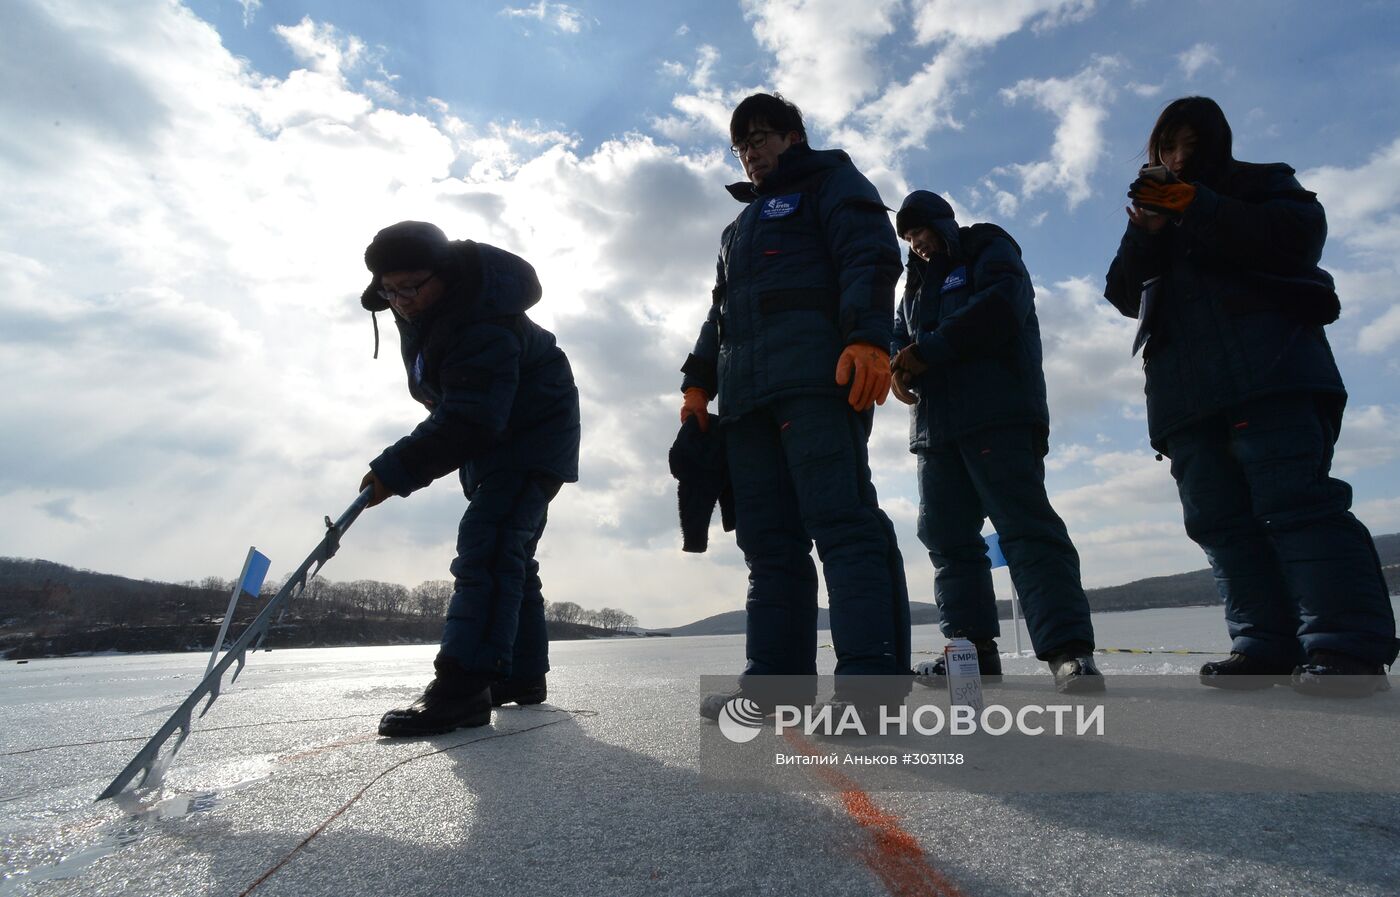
{"points": [[504, 414], [795, 347], [967, 358]]}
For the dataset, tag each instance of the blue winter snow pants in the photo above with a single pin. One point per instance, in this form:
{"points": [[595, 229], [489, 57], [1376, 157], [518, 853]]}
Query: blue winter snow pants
{"points": [[1297, 571], [999, 473], [495, 621], [801, 475]]}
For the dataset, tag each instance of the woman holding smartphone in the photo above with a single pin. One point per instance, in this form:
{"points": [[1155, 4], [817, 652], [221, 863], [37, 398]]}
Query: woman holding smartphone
{"points": [[1219, 263]]}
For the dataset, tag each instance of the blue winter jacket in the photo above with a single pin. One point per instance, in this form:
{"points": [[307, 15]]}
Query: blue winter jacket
{"points": [[807, 268], [971, 315], [1239, 310], [499, 391]]}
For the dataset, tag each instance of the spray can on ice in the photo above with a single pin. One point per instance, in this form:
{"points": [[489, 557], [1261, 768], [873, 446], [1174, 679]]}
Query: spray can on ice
{"points": [[964, 676]]}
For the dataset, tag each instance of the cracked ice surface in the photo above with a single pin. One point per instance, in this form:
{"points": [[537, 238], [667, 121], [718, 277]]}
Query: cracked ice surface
{"points": [[597, 792]]}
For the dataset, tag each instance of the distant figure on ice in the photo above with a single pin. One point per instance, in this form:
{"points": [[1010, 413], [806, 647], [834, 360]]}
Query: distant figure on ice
{"points": [[503, 413], [967, 357], [1219, 263], [795, 348]]}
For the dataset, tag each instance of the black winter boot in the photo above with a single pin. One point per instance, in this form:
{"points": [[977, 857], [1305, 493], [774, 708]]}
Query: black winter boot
{"points": [[791, 691], [873, 698], [1331, 675], [868, 713], [1242, 672], [713, 703], [527, 690], [455, 699]]}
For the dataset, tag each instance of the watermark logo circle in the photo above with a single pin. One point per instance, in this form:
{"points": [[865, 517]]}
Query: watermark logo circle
{"points": [[740, 720]]}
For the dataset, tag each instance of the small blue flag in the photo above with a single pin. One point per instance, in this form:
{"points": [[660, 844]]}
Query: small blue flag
{"points": [[994, 550], [257, 570]]}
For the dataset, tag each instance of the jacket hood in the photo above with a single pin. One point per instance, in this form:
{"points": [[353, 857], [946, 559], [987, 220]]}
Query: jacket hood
{"points": [[1260, 182], [975, 238], [923, 208], [797, 163], [496, 282]]}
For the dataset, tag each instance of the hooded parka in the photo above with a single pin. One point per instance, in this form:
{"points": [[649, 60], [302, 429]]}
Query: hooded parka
{"points": [[499, 390]]}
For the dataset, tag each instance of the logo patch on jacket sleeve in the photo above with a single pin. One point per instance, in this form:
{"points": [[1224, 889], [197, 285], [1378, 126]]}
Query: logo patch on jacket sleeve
{"points": [[956, 280], [780, 206]]}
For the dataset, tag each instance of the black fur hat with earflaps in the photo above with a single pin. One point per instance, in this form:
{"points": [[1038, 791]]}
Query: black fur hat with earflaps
{"points": [[406, 246]]}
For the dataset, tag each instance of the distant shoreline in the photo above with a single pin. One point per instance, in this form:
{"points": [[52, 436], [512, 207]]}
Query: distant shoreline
{"points": [[43, 604], [199, 638]]}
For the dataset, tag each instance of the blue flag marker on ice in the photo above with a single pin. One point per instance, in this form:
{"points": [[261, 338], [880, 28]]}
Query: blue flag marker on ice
{"points": [[249, 583], [149, 763], [999, 560], [994, 550], [254, 573]]}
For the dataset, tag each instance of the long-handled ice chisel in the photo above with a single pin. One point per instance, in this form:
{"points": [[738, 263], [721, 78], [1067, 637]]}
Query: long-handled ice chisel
{"points": [[146, 760]]}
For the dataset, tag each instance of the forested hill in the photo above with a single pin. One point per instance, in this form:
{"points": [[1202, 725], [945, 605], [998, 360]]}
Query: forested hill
{"points": [[49, 609]]}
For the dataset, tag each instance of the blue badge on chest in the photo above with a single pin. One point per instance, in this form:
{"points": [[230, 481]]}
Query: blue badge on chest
{"points": [[780, 206], [957, 280], [418, 369]]}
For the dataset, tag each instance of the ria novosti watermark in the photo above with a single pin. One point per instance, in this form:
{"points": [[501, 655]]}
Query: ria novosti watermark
{"points": [[741, 720], [1145, 733]]}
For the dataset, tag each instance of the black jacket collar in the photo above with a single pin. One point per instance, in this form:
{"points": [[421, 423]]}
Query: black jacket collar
{"points": [[797, 163]]}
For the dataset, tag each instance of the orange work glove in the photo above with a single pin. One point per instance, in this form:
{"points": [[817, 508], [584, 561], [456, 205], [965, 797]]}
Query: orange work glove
{"points": [[867, 368], [696, 404], [381, 491], [1168, 199]]}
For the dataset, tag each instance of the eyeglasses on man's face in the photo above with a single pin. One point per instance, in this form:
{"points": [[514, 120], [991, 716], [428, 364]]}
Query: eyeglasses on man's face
{"points": [[754, 141], [388, 293]]}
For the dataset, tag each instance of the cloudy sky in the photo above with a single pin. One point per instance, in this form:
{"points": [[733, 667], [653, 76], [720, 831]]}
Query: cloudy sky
{"points": [[189, 189]]}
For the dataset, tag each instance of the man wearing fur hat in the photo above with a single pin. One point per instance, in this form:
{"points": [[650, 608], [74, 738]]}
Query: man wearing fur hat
{"points": [[502, 412], [966, 354]]}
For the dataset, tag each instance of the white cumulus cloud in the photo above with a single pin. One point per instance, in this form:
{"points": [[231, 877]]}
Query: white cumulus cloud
{"points": [[1086, 343], [1196, 58], [1079, 104], [559, 16], [987, 22], [1364, 244], [200, 256], [824, 51]]}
